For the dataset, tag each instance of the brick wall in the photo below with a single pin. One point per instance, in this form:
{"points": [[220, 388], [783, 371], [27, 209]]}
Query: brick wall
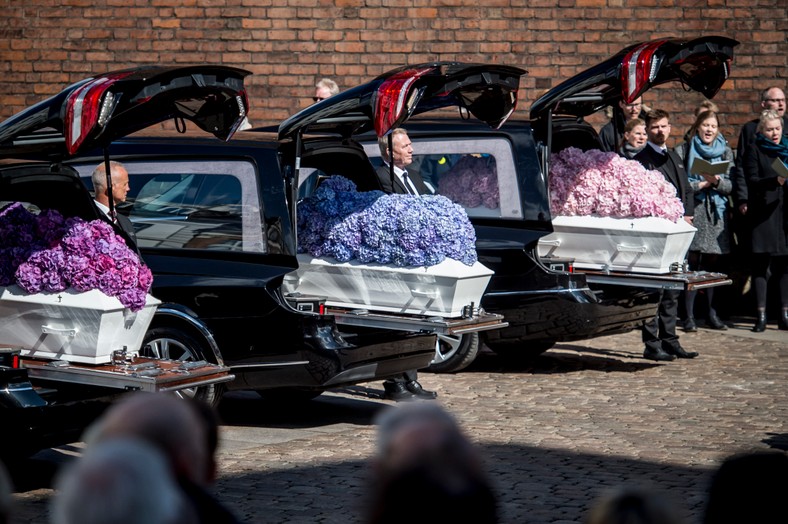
{"points": [[290, 44]]}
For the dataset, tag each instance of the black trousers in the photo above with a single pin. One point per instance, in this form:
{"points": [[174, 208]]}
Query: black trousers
{"points": [[408, 376], [660, 331]]}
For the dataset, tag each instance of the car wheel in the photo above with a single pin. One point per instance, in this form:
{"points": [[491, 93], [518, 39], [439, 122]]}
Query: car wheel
{"points": [[520, 351], [454, 352], [174, 344]]}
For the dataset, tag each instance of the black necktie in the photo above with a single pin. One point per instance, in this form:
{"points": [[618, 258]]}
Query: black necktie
{"points": [[407, 184]]}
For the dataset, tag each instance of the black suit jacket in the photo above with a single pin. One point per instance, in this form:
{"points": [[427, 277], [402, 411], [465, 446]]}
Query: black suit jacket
{"points": [[384, 176], [767, 213], [672, 168], [123, 222], [126, 225], [746, 143]]}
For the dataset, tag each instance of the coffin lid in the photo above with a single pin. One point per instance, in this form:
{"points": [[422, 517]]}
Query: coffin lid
{"points": [[702, 64], [93, 112], [486, 91]]}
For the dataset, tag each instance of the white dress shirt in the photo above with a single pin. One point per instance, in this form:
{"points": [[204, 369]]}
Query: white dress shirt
{"points": [[407, 182]]}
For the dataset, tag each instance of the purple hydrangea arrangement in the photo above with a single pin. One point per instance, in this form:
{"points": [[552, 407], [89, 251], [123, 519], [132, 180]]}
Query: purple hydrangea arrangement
{"points": [[50, 253], [374, 227], [606, 184], [472, 182]]}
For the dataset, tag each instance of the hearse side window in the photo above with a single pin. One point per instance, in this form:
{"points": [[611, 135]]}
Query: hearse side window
{"points": [[192, 205], [478, 174]]}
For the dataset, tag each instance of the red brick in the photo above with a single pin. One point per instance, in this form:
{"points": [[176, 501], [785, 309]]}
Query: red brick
{"points": [[353, 39]]}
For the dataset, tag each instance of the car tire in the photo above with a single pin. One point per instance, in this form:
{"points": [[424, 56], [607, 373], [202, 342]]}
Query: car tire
{"points": [[176, 344], [454, 352], [520, 351]]}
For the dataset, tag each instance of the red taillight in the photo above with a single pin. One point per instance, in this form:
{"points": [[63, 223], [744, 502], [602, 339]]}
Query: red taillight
{"points": [[638, 70], [243, 110], [391, 98], [84, 109], [15, 362], [322, 308]]}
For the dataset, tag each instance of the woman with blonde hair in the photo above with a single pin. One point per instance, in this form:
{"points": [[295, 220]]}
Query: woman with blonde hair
{"points": [[767, 215], [712, 239]]}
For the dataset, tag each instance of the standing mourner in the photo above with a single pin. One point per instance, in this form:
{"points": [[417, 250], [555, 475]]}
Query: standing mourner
{"points": [[612, 133], [659, 333], [711, 217], [406, 386], [325, 88], [120, 188], [770, 98], [767, 213], [706, 105], [635, 138], [118, 192]]}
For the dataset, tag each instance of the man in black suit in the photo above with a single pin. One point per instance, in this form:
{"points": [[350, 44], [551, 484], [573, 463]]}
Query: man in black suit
{"points": [[118, 191], [403, 181], [405, 386], [659, 333]]}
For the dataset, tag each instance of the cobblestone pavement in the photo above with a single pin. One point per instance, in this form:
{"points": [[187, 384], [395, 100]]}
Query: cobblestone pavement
{"points": [[555, 433]]}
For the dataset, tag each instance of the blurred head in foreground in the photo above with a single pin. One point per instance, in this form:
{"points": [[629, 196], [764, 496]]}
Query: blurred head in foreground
{"points": [[119, 481], [425, 461]]}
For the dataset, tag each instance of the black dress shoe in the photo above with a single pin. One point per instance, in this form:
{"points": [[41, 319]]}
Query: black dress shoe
{"points": [[714, 322], [415, 388], [783, 322], [680, 352], [658, 354], [689, 325], [397, 391], [760, 323]]}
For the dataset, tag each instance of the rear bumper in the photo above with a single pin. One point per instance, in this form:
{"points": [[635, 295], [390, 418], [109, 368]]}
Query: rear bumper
{"points": [[572, 315], [365, 356]]}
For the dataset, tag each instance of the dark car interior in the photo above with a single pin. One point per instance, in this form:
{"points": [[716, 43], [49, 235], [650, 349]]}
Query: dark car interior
{"points": [[48, 187], [571, 132], [346, 160]]}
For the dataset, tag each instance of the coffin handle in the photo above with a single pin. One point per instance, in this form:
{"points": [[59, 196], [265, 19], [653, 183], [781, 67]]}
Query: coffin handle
{"points": [[63, 332], [556, 242], [433, 294], [621, 248]]}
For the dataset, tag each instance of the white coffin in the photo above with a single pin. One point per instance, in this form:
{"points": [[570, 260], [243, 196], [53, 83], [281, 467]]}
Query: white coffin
{"points": [[638, 245], [439, 290], [77, 327]]}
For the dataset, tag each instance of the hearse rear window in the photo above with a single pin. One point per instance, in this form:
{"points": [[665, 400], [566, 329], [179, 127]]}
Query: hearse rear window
{"points": [[478, 174], [192, 205]]}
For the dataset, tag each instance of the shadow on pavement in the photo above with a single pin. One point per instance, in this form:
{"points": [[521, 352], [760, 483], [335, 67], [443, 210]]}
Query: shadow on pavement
{"points": [[534, 485], [562, 358], [244, 408]]}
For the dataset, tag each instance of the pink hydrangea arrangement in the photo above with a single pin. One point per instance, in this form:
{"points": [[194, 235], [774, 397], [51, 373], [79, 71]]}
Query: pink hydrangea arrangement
{"points": [[46, 252], [606, 184], [472, 182]]}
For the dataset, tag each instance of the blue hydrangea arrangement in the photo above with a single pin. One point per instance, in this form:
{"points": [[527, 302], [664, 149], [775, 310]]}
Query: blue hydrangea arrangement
{"points": [[374, 227]]}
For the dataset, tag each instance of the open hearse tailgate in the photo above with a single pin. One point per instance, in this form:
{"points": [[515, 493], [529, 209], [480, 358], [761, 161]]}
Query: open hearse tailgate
{"points": [[680, 280], [472, 319], [479, 321], [141, 373]]}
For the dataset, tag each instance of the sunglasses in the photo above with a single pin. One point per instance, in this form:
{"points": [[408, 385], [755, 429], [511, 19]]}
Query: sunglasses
{"points": [[317, 99]]}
